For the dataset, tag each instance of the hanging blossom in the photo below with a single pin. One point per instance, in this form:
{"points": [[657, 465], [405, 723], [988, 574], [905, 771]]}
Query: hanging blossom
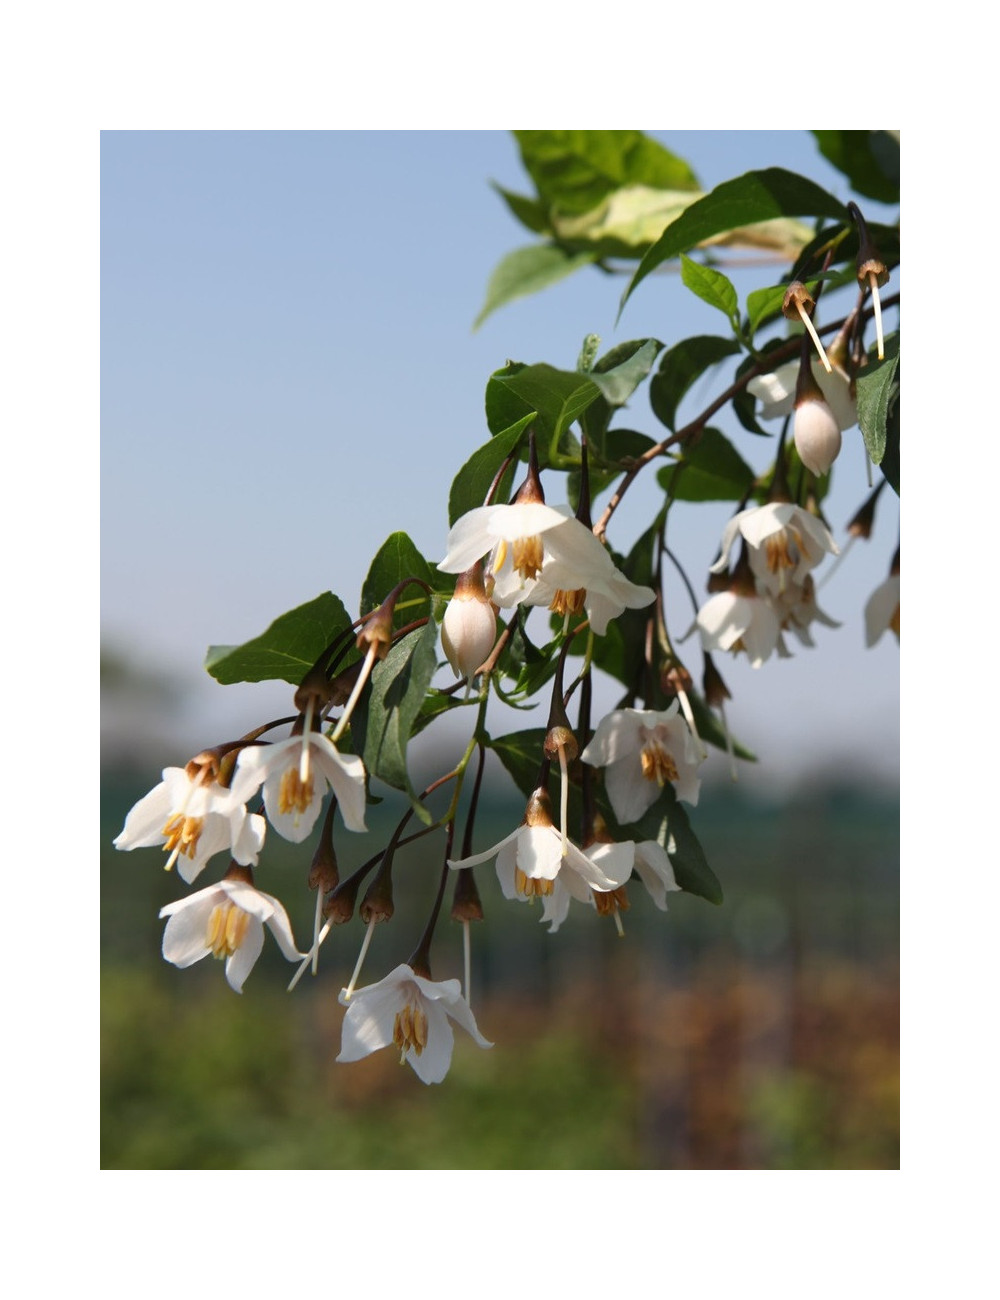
{"points": [[640, 751], [536, 855], [511, 536], [578, 573], [784, 542], [796, 608], [655, 870], [226, 920], [469, 626], [412, 1012], [882, 610], [296, 774], [193, 817]]}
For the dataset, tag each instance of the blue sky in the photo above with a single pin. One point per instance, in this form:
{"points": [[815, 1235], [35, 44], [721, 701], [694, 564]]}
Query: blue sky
{"points": [[289, 374]]}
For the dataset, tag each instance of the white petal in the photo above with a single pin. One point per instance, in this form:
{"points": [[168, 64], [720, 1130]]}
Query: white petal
{"points": [[241, 963], [249, 840], [346, 773], [723, 619], [144, 824], [555, 906], [539, 852], [370, 1020], [280, 926], [879, 609], [776, 391], [631, 793], [185, 934], [610, 864], [434, 1061], [655, 871], [476, 858]]}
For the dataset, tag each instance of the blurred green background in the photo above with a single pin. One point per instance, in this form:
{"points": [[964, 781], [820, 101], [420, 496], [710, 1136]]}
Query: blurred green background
{"points": [[759, 1034]]}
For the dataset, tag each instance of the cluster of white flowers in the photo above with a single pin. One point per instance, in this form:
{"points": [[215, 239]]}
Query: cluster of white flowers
{"points": [[772, 592]]}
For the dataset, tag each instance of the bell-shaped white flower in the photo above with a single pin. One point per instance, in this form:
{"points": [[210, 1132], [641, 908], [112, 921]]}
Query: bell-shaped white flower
{"points": [[226, 920], [413, 1013], [640, 750], [796, 608], [296, 774], [882, 610], [737, 620], [783, 543], [615, 860], [193, 817], [536, 854], [776, 392]]}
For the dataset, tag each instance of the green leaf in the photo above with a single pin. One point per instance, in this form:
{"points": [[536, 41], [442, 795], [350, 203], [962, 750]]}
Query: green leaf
{"points": [[384, 721], [869, 160], [528, 211], [526, 270], [397, 559], [558, 396], [574, 170], [890, 461], [473, 480], [877, 387], [688, 858], [756, 196], [711, 730], [710, 286], [765, 304], [620, 372], [680, 366], [287, 650], [709, 470]]}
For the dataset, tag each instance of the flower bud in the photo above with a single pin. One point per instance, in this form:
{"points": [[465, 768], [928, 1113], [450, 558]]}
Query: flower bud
{"points": [[466, 904], [817, 435], [469, 628]]}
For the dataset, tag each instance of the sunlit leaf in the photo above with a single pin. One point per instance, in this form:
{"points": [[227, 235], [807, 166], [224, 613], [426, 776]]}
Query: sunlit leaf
{"points": [[710, 286], [877, 387], [709, 469], [473, 480], [869, 160], [679, 367], [287, 650], [526, 270]]}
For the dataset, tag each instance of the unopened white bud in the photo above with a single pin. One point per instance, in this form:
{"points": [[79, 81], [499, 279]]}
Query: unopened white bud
{"points": [[817, 434], [468, 632]]}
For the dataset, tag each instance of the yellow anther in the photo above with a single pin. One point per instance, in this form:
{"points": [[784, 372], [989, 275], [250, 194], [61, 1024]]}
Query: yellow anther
{"points": [[657, 764], [183, 834], [615, 900], [528, 556], [410, 1030], [531, 886], [227, 928], [294, 793], [568, 602]]}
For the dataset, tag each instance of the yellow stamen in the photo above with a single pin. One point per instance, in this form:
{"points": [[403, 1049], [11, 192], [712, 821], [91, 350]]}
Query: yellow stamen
{"points": [[499, 555], [410, 1030], [528, 556], [294, 792], [227, 928], [531, 886], [657, 764], [568, 602], [183, 834]]}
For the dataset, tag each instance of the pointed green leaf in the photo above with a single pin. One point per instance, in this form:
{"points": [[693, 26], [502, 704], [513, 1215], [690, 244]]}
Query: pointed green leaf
{"points": [[679, 367], [688, 857], [559, 397], [620, 372], [756, 196], [710, 286], [877, 387], [384, 720], [287, 650], [473, 480], [869, 160], [709, 470], [398, 558], [528, 211], [526, 270], [521, 753]]}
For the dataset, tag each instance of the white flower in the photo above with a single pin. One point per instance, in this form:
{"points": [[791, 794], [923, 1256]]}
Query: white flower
{"points": [[640, 750], [469, 627], [817, 434], [226, 920], [577, 570], [783, 543], [193, 817], [776, 392], [652, 862], [614, 861], [295, 774], [412, 1012], [535, 855], [728, 621], [882, 610], [511, 536]]}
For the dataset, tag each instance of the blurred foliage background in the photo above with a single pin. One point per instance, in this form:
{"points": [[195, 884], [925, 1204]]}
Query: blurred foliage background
{"points": [[759, 1034]]}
